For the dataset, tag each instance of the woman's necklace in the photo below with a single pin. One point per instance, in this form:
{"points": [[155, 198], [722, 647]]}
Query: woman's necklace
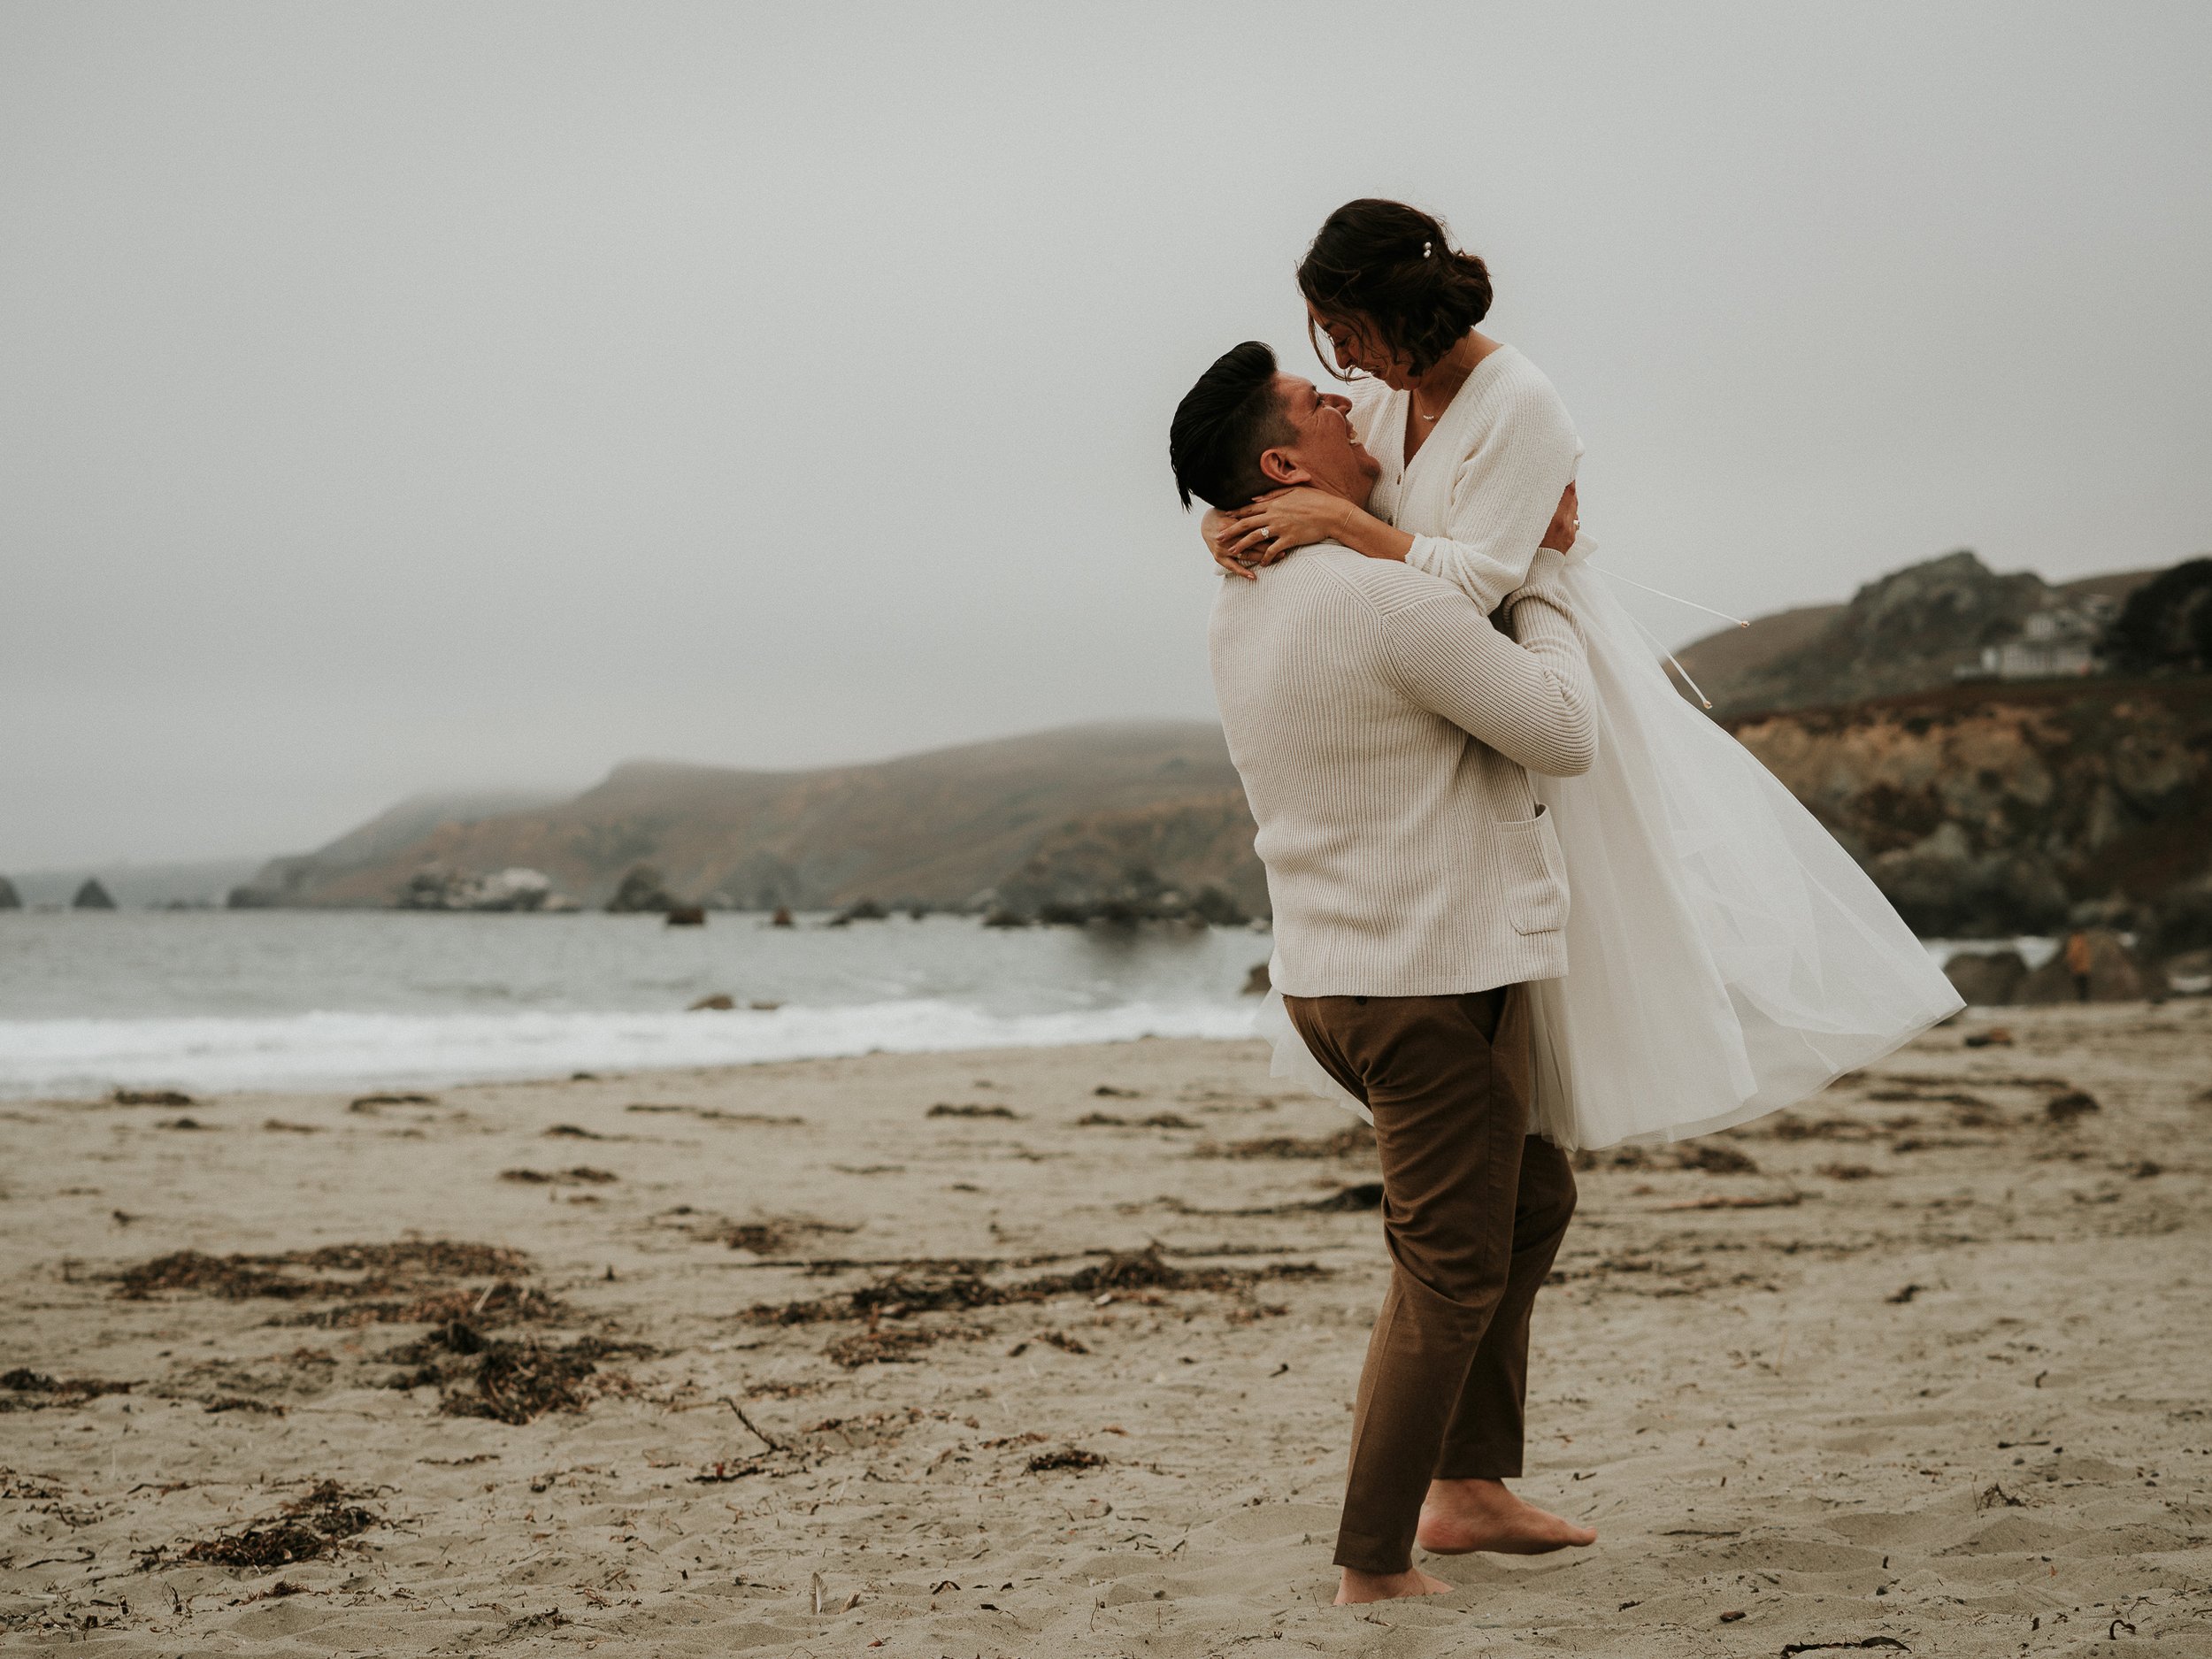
{"points": [[1440, 413]]}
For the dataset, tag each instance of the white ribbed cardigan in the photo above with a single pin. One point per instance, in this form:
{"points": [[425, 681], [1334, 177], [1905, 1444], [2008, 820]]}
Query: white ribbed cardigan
{"points": [[1384, 728], [1489, 475]]}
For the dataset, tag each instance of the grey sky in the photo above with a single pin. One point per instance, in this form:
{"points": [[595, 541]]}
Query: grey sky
{"points": [[409, 395]]}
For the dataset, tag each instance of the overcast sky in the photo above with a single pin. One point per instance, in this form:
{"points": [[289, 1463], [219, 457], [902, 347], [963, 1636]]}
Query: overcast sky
{"points": [[400, 396]]}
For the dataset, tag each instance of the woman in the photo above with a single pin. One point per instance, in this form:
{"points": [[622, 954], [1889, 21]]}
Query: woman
{"points": [[1726, 957]]}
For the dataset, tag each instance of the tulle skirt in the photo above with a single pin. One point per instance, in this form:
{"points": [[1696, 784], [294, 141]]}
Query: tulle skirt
{"points": [[1725, 956]]}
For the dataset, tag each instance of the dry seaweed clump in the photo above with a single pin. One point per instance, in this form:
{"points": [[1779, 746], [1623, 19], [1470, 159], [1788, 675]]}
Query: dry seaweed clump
{"points": [[1354, 1141], [961, 1285], [411, 1281], [311, 1525], [874, 1347], [29, 1390], [382, 1270], [478, 1375], [771, 1235], [1073, 1457]]}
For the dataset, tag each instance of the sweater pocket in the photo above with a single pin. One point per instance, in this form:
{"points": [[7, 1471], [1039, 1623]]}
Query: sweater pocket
{"points": [[1532, 871]]}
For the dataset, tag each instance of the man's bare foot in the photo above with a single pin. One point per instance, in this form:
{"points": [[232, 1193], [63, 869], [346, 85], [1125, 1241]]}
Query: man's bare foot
{"points": [[1461, 1517], [1387, 1587]]}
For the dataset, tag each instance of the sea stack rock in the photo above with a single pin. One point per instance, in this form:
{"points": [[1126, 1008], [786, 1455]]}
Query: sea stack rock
{"points": [[92, 896], [9, 899], [641, 890]]}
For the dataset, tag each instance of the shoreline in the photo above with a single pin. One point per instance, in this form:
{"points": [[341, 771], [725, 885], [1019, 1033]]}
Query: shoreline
{"points": [[1054, 1347]]}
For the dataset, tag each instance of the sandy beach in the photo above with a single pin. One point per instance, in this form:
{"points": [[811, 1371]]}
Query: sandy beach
{"points": [[1051, 1351]]}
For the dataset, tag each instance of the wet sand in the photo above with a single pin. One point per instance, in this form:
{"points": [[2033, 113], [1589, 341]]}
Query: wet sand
{"points": [[813, 1357]]}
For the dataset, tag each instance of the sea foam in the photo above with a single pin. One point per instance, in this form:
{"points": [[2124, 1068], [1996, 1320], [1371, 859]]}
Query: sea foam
{"points": [[79, 1056]]}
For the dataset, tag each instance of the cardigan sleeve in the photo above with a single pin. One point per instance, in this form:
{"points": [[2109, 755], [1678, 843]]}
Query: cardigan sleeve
{"points": [[1504, 492], [1527, 696]]}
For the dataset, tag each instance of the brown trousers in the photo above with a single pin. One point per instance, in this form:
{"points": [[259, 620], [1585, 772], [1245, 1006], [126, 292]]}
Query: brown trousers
{"points": [[1473, 1210]]}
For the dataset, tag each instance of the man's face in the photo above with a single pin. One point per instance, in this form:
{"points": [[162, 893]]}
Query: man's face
{"points": [[1323, 453]]}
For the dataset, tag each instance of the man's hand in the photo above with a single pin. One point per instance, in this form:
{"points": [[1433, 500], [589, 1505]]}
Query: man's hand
{"points": [[1566, 522]]}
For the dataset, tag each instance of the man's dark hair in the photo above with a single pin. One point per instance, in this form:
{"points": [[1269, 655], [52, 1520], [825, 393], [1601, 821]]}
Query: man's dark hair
{"points": [[1224, 425]]}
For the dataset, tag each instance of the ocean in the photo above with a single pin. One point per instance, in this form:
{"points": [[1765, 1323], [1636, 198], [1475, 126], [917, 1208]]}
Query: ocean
{"points": [[211, 1001], [221, 1000]]}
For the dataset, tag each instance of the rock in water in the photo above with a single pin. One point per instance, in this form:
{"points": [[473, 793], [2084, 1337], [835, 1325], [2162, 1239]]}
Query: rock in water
{"points": [[686, 916], [641, 890], [781, 918], [1257, 983], [1990, 979], [9, 899], [92, 896]]}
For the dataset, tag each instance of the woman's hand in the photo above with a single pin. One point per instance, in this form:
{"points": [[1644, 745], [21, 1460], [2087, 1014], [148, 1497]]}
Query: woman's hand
{"points": [[1221, 532], [1283, 520], [1247, 540], [1566, 522]]}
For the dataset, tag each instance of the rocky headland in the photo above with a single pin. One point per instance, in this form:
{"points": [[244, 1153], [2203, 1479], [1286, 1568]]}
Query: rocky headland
{"points": [[2005, 755]]}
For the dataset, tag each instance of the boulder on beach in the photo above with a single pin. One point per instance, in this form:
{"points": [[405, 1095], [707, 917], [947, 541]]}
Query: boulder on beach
{"points": [[1986, 978], [92, 896]]}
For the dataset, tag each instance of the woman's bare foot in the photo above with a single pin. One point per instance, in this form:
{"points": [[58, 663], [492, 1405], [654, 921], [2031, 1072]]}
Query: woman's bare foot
{"points": [[1461, 1517], [1387, 1587]]}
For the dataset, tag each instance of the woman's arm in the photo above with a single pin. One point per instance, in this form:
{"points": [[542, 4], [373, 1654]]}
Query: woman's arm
{"points": [[1247, 540], [1506, 495], [1244, 553]]}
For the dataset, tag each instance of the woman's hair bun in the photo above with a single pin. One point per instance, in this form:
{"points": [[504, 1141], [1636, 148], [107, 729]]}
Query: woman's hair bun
{"points": [[1394, 267]]}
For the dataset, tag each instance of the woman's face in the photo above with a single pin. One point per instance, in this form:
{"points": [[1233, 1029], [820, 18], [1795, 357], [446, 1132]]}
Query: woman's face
{"points": [[1357, 346]]}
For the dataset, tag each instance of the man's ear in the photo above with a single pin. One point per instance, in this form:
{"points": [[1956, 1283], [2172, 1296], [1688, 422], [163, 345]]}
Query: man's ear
{"points": [[1280, 468]]}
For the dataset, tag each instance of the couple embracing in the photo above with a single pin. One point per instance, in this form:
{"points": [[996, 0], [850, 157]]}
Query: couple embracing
{"points": [[1527, 898]]}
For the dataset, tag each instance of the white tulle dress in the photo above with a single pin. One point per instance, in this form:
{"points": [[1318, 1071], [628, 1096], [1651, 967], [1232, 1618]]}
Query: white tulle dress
{"points": [[1725, 956]]}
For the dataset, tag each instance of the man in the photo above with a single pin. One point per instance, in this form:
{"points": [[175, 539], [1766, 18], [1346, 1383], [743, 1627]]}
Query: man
{"points": [[1385, 730]]}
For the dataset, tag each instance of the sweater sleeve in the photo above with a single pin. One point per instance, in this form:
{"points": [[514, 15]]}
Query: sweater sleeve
{"points": [[1503, 495], [1528, 696]]}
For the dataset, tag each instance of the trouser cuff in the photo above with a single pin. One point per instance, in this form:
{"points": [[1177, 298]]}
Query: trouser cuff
{"points": [[1365, 1554], [1480, 1466]]}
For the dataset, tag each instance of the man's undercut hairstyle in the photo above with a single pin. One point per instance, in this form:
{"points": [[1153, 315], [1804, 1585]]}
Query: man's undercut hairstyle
{"points": [[1224, 425]]}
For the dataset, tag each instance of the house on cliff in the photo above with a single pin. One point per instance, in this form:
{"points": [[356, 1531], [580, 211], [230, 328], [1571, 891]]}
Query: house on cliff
{"points": [[2052, 644]]}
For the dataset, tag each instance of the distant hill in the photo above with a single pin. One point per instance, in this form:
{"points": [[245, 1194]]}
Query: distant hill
{"points": [[1979, 806], [1051, 812], [283, 881], [1908, 631]]}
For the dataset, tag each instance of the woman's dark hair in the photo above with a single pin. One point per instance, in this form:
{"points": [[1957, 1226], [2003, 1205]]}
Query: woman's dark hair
{"points": [[1394, 267], [1224, 425]]}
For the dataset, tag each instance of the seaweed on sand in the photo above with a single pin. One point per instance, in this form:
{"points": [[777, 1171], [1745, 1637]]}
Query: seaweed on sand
{"points": [[478, 1375], [963, 1285], [311, 1525], [1064, 1457], [30, 1390], [384, 1269], [1354, 1141]]}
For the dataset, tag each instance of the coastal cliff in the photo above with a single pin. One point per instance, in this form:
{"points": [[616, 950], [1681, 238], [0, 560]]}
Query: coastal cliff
{"points": [[1985, 809]]}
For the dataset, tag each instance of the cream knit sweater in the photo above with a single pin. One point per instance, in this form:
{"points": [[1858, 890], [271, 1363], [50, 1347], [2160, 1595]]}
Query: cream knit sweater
{"points": [[1385, 729]]}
